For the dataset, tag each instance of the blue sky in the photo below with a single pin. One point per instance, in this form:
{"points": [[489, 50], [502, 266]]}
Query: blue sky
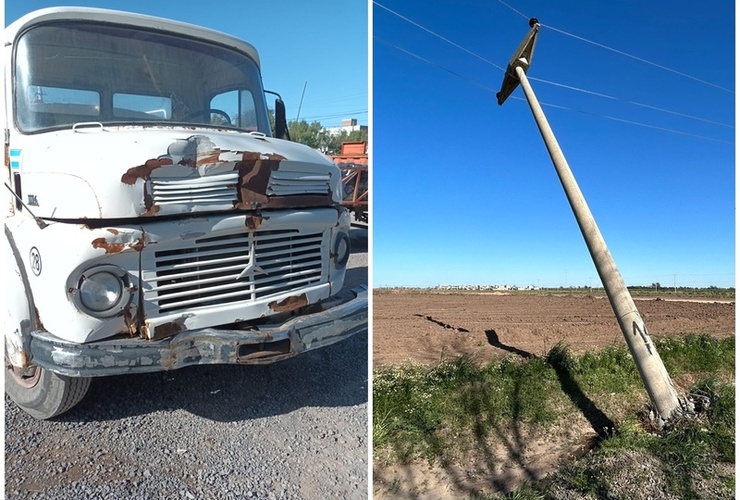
{"points": [[464, 191], [321, 45]]}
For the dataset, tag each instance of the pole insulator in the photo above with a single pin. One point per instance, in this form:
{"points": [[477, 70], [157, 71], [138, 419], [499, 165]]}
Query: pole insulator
{"points": [[533, 21]]}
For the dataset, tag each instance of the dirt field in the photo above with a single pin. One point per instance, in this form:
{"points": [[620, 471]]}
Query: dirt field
{"points": [[430, 327]]}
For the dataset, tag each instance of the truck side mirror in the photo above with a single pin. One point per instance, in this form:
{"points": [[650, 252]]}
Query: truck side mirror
{"points": [[281, 123]]}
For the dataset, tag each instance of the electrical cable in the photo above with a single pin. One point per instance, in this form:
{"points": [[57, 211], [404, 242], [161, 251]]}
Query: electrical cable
{"points": [[512, 8], [557, 106], [336, 115], [634, 103], [438, 66], [631, 122], [439, 36], [620, 52], [598, 94]]}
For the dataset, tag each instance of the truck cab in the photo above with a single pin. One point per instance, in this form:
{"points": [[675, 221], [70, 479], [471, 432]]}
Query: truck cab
{"points": [[153, 219]]}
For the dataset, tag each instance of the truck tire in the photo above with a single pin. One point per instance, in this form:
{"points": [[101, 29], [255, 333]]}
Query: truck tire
{"points": [[44, 394]]}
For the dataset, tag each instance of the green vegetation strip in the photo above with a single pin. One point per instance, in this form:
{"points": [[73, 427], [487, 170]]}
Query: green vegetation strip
{"points": [[441, 412]]}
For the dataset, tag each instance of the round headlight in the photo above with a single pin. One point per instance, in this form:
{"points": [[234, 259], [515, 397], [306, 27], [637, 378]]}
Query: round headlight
{"points": [[101, 291], [341, 250]]}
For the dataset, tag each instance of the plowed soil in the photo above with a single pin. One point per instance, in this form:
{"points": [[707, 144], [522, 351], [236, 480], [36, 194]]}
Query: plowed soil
{"points": [[429, 327]]}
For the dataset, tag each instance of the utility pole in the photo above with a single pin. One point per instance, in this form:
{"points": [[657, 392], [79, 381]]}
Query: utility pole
{"points": [[300, 104], [654, 375]]}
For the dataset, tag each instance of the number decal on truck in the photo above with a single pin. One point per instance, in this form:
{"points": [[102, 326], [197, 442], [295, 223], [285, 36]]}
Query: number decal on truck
{"points": [[35, 261]]}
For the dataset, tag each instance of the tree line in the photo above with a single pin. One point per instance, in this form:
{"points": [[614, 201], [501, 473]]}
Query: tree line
{"points": [[317, 137]]}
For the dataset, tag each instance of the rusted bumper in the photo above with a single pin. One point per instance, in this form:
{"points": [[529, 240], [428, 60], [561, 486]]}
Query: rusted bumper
{"points": [[339, 319]]}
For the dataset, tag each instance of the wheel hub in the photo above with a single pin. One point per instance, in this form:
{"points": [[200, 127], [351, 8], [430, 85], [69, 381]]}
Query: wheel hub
{"points": [[25, 377]]}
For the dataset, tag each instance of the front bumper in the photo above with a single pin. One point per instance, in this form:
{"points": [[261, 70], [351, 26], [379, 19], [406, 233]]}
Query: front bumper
{"points": [[255, 345]]}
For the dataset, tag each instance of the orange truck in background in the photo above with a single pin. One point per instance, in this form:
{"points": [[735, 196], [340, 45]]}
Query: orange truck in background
{"points": [[352, 162]]}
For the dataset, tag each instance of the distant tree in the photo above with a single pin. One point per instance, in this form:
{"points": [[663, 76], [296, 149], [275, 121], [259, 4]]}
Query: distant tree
{"points": [[217, 119], [315, 136], [335, 142], [271, 118], [357, 136], [310, 134]]}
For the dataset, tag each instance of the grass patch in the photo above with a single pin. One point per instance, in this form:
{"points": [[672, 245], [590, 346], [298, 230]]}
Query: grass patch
{"points": [[694, 458], [420, 411], [443, 412], [696, 354]]}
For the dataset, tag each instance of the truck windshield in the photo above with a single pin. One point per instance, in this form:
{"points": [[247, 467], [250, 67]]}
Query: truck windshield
{"points": [[74, 72]]}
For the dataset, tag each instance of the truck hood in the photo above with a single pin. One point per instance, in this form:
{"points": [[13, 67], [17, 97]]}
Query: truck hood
{"points": [[110, 173]]}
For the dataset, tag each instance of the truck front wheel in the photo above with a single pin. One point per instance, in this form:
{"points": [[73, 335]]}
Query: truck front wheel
{"points": [[41, 393]]}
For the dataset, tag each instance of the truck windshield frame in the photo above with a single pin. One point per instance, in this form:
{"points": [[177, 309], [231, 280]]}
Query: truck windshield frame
{"points": [[72, 72]]}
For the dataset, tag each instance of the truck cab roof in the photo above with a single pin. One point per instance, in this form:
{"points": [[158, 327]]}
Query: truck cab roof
{"points": [[53, 14]]}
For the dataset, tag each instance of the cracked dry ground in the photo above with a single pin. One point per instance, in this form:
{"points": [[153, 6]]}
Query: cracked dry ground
{"points": [[429, 327]]}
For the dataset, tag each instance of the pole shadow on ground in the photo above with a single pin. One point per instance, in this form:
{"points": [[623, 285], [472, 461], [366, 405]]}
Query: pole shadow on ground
{"points": [[504, 463], [559, 358]]}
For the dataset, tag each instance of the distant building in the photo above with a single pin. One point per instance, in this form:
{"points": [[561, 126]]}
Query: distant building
{"points": [[498, 288], [348, 125]]}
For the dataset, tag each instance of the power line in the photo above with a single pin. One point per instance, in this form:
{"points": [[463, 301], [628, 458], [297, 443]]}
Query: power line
{"points": [[665, 68], [493, 91], [346, 114], [439, 36], [334, 100], [438, 66], [631, 122], [570, 87], [634, 103], [512, 8], [620, 52]]}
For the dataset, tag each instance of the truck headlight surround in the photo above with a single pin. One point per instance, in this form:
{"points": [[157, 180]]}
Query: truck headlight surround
{"points": [[341, 249], [102, 291]]}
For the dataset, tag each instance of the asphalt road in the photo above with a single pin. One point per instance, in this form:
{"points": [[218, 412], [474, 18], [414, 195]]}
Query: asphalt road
{"points": [[294, 429]]}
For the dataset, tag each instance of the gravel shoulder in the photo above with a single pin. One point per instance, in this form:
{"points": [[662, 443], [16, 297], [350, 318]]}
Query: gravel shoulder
{"points": [[294, 429]]}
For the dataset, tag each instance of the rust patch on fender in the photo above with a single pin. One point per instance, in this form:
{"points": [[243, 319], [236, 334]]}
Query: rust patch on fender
{"points": [[254, 175], [138, 245], [209, 158], [108, 247], [25, 359], [254, 221], [254, 171], [39, 323], [152, 211], [129, 319], [144, 171], [168, 329], [289, 304], [111, 247]]}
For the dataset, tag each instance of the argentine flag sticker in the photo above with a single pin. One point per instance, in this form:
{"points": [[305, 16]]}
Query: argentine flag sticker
{"points": [[15, 159]]}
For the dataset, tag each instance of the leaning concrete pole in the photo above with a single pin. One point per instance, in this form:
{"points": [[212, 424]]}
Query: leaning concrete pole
{"points": [[658, 383]]}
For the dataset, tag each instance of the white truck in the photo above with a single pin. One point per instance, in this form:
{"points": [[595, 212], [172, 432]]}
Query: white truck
{"points": [[153, 218]]}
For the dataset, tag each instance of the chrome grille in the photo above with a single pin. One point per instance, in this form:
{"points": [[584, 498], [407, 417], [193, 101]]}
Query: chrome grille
{"points": [[211, 190], [246, 266]]}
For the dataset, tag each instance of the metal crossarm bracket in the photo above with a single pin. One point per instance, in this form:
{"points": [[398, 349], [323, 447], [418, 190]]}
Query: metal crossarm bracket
{"points": [[522, 58]]}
